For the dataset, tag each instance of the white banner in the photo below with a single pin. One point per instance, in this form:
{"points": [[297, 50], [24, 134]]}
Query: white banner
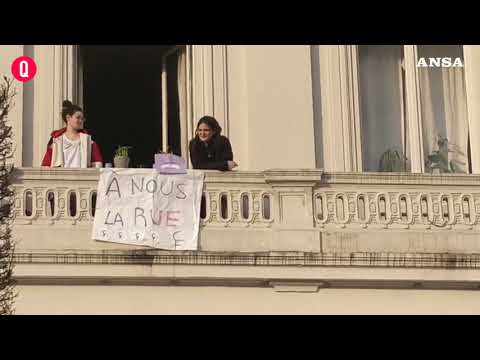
{"points": [[143, 207]]}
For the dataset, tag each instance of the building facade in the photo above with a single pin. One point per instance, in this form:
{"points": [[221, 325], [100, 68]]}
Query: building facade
{"points": [[357, 190]]}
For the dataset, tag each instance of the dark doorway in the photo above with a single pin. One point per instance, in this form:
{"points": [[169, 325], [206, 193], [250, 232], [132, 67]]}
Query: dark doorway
{"points": [[122, 92]]}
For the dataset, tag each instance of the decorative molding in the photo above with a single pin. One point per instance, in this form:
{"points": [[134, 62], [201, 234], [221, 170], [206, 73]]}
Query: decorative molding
{"points": [[296, 287], [472, 85], [413, 107], [153, 257], [303, 187], [385, 179], [210, 84], [340, 107], [65, 80], [220, 85], [398, 210], [351, 106]]}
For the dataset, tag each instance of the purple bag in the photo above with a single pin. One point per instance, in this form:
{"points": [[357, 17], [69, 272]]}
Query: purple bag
{"points": [[170, 164]]}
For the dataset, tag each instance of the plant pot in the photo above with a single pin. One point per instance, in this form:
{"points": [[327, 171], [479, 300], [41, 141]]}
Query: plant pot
{"points": [[121, 162]]}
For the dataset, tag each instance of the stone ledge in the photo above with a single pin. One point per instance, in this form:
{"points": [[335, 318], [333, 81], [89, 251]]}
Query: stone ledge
{"points": [[275, 281], [147, 257]]}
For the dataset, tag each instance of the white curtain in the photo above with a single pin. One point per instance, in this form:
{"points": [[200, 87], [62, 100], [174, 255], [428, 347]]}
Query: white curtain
{"points": [[444, 107], [382, 110], [182, 101]]}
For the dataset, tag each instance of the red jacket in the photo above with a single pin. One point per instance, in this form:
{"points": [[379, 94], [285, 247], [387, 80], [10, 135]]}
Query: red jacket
{"points": [[54, 154]]}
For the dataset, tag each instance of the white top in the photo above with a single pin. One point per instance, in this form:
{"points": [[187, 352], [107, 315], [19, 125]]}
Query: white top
{"points": [[71, 153]]}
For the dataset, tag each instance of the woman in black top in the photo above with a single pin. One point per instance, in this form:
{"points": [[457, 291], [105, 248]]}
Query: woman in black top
{"points": [[209, 150]]}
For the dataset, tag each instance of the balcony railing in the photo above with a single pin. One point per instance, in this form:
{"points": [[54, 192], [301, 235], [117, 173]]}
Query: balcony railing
{"points": [[274, 210]]}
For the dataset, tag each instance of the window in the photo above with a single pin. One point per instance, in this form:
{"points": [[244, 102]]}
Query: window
{"points": [[402, 103], [384, 140], [443, 111], [152, 89]]}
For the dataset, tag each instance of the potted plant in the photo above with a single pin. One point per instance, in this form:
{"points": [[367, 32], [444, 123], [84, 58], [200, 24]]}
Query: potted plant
{"points": [[393, 160], [437, 161], [121, 159]]}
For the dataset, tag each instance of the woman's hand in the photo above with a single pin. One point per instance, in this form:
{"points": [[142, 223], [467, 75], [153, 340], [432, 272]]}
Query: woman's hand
{"points": [[231, 164]]}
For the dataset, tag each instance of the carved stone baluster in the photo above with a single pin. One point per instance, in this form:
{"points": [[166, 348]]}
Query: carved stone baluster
{"points": [[395, 216], [18, 205], [62, 203], [83, 195], [476, 207], [352, 208], [416, 208], [372, 207], [437, 209], [256, 216], [40, 208], [331, 207], [259, 217], [234, 196], [214, 207], [457, 209], [466, 205]]}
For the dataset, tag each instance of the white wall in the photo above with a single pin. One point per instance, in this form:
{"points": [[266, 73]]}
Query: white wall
{"points": [[237, 300]]}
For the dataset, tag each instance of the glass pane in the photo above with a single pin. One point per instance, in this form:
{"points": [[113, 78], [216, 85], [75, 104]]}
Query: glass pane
{"points": [[383, 118], [444, 108]]}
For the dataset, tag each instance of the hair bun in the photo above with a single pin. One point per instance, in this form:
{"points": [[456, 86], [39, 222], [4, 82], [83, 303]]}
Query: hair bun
{"points": [[67, 104]]}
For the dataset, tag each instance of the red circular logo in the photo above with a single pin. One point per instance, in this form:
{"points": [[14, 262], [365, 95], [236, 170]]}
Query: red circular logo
{"points": [[24, 68]]}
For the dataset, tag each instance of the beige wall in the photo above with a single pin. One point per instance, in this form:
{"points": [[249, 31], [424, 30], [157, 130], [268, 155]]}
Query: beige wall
{"points": [[280, 106], [237, 300], [39, 119], [269, 102], [36, 104], [238, 104], [472, 80]]}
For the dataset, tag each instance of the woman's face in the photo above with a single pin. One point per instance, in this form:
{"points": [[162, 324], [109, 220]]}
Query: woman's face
{"points": [[76, 120], [204, 132]]}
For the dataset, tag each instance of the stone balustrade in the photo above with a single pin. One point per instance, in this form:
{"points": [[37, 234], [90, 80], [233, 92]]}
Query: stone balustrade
{"points": [[290, 210]]}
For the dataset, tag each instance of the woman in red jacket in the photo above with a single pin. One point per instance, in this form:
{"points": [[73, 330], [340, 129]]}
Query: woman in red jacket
{"points": [[72, 146]]}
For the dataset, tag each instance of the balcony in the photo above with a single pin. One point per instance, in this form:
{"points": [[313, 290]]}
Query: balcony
{"points": [[286, 229], [300, 211]]}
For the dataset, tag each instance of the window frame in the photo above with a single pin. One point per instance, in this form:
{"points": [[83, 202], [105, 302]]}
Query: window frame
{"points": [[412, 101]]}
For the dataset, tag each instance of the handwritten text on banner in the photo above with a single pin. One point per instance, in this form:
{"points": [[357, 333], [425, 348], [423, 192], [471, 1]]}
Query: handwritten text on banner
{"points": [[143, 207]]}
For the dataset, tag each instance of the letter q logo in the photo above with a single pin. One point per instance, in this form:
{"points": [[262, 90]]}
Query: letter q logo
{"points": [[24, 68]]}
